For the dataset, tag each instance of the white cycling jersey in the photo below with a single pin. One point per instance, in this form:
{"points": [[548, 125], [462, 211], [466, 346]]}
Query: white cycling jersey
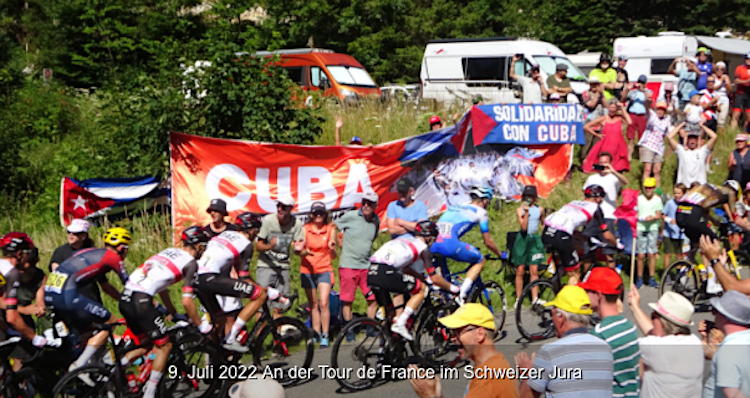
{"points": [[401, 252], [222, 251], [162, 270], [572, 216]]}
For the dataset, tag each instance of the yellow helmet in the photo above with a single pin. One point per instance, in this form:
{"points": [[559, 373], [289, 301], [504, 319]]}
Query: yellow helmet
{"points": [[117, 236]]}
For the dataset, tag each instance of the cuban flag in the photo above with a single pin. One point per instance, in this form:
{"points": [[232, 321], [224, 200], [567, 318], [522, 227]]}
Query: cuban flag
{"points": [[96, 197]]}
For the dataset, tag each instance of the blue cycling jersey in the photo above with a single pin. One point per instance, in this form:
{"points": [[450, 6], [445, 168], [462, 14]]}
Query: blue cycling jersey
{"points": [[459, 220]]}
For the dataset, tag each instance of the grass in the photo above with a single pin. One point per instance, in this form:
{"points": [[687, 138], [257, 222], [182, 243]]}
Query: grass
{"points": [[374, 124]]}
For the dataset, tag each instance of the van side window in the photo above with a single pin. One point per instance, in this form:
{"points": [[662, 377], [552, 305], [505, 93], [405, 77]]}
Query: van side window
{"points": [[659, 66], [295, 73], [485, 68], [316, 76], [522, 67]]}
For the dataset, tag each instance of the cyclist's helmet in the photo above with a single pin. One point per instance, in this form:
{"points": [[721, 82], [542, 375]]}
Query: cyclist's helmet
{"points": [[481, 192], [193, 235], [426, 228], [14, 242], [117, 236], [594, 191], [247, 221], [734, 185]]}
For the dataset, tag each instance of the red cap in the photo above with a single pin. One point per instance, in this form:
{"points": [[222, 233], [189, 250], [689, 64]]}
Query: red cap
{"points": [[435, 119], [603, 280]]}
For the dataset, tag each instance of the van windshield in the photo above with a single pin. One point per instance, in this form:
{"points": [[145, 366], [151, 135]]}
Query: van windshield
{"points": [[549, 63], [351, 76]]}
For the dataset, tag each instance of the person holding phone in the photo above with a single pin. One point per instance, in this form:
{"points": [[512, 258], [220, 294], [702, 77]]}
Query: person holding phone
{"points": [[528, 247]]}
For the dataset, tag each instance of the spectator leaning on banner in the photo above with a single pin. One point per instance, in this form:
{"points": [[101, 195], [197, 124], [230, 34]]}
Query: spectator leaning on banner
{"points": [[404, 213], [472, 329], [579, 364], [606, 75], [604, 286], [559, 83], [533, 86]]}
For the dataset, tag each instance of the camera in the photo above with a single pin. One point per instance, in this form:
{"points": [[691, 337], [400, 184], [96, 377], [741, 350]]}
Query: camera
{"points": [[598, 167]]}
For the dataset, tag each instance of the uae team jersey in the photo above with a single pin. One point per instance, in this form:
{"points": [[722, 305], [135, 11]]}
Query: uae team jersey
{"points": [[401, 252], [224, 251], [573, 215], [459, 220], [9, 282], [162, 270], [708, 196], [84, 268]]}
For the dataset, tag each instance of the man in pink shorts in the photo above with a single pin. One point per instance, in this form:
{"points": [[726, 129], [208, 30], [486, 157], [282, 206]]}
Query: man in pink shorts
{"points": [[359, 229]]}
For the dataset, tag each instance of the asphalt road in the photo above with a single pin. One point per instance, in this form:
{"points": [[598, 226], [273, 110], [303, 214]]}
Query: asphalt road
{"points": [[510, 343]]}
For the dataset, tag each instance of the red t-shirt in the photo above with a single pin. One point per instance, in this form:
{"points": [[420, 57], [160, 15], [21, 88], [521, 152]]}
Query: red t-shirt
{"points": [[320, 259], [742, 73]]}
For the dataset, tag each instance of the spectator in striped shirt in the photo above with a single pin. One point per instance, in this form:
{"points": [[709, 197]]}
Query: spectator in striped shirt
{"points": [[604, 286]]}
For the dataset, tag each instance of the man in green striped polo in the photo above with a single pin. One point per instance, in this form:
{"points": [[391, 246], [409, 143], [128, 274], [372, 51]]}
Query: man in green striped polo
{"points": [[604, 286]]}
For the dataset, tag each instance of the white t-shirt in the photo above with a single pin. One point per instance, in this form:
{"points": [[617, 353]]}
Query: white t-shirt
{"points": [[674, 366], [693, 113], [532, 92], [611, 186], [692, 165]]}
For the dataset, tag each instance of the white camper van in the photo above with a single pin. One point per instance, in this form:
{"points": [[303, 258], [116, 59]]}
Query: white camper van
{"points": [[651, 56], [585, 61], [469, 67]]}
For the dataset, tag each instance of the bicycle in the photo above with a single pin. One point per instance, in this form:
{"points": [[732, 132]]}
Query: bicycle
{"points": [[16, 383]]}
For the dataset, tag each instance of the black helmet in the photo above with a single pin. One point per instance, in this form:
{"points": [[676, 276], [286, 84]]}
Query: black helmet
{"points": [[605, 58], [594, 191], [247, 221], [426, 228], [13, 242], [193, 235]]}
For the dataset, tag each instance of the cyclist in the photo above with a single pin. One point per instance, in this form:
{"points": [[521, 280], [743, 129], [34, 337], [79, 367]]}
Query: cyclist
{"points": [[456, 222], [154, 276], [693, 211], [232, 249], [562, 224], [397, 267], [65, 286]]}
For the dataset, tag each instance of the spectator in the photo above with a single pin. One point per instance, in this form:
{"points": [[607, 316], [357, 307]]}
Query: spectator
{"points": [[606, 76], [691, 159], [404, 213], [673, 235], [739, 161], [278, 232], [593, 108], [359, 230], [709, 102], [559, 83], [673, 104], [612, 181], [577, 350], [638, 100], [714, 251], [694, 113], [78, 238], [604, 286], [622, 78], [742, 99], [705, 66], [611, 137], [218, 211], [337, 137], [652, 142], [650, 207], [723, 87], [671, 357], [730, 368], [316, 269], [533, 87], [472, 328], [261, 387], [528, 248], [688, 78], [554, 98], [436, 123]]}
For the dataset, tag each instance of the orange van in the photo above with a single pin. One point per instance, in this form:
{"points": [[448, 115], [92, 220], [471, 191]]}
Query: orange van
{"points": [[338, 75]]}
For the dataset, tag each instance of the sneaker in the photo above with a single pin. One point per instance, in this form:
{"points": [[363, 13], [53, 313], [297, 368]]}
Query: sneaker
{"points": [[84, 377], [236, 347], [402, 330], [539, 301], [639, 283], [324, 341], [350, 337], [653, 283]]}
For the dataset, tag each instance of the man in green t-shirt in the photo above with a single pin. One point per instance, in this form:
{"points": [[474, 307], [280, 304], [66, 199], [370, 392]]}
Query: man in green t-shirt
{"points": [[559, 83], [649, 225], [607, 76], [604, 287]]}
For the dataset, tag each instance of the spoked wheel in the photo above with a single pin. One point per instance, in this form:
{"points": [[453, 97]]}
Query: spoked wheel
{"points": [[362, 343], [180, 379], [431, 342], [88, 382], [681, 277], [289, 345], [493, 297], [533, 319]]}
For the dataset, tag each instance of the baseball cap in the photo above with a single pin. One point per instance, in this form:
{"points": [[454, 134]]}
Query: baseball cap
{"points": [[734, 305], [741, 137], [470, 314], [594, 79], [435, 119], [529, 190], [721, 64], [561, 67], [622, 57], [257, 388], [554, 96], [604, 280], [702, 50], [649, 182], [534, 67], [404, 185], [694, 134], [694, 92], [674, 307], [693, 60], [77, 226], [668, 86], [355, 141], [370, 195], [572, 299], [747, 56], [286, 200], [747, 187], [661, 105], [217, 205], [318, 206], [642, 79]]}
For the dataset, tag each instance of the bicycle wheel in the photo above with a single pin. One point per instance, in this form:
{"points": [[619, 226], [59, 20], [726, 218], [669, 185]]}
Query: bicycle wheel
{"points": [[182, 378], [533, 319], [286, 344], [431, 342], [366, 347], [681, 277], [493, 297], [72, 384]]}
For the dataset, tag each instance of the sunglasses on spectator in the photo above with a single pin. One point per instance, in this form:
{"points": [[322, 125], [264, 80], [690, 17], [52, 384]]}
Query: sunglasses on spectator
{"points": [[284, 207], [319, 214], [710, 81], [458, 332], [369, 203]]}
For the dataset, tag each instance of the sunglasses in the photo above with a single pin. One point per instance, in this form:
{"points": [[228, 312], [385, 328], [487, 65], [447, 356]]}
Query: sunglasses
{"points": [[319, 214], [284, 207], [458, 332], [369, 203]]}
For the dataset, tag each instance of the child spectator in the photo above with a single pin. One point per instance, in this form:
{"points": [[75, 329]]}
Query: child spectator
{"points": [[694, 112], [649, 222], [673, 235], [528, 248]]}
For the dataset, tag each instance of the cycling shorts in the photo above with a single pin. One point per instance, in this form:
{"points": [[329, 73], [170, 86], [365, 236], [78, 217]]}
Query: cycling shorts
{"points": [[208, 286], [692, 219], [142, 317], [77, 310], [562, 243], [387, 279], [742, 102], [457, 250]]}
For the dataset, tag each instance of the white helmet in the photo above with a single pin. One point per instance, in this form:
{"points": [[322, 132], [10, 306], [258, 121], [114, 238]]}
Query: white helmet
{"points": [[734, 185], [481, 192]]}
